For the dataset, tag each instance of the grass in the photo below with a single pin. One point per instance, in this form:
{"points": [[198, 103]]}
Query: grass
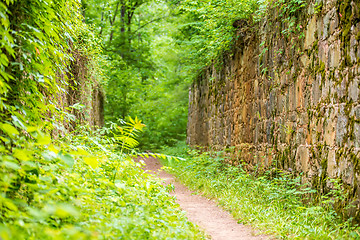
{"points": [[272, 204]]}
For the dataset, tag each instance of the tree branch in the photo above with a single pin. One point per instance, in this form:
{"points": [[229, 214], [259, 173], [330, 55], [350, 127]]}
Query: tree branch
{"points": [[154, 20]]}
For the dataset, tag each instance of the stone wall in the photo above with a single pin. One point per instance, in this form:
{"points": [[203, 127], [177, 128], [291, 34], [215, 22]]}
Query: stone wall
{"points": [[85, 90], [288, 97], [81, 97]]}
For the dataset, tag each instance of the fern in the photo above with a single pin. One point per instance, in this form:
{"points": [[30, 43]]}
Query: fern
{"points": [[126, 136]]}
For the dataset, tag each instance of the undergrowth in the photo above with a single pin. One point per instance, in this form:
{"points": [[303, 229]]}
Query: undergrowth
{"points": [[85, 186], [271, 204]]}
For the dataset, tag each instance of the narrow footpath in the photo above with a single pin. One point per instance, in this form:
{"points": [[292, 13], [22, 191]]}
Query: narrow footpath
{"points": [[216, 222]]}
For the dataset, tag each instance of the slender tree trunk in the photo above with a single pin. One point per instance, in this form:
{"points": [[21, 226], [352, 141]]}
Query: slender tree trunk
{"points": [[112, 21]]}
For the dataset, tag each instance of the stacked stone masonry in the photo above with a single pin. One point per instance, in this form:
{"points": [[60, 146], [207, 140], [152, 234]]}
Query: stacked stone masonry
{"points": [[288, 96]]}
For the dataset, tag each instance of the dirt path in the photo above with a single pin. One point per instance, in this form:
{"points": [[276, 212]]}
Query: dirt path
{"points": [[216, 222]]}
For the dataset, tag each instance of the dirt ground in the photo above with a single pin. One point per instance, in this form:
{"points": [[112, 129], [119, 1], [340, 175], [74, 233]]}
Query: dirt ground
{"points": [[216, 222]]}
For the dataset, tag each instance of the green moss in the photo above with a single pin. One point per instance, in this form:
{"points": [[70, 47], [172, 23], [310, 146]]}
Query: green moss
{"points": [[358, 36], [347, 18], [347, 61], [315, 47], [290, 63]]}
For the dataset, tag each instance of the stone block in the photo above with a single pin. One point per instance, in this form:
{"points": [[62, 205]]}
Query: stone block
{"points": [[346, 170], [341, 126], [323, 51], [330, 126], [326, 89], [332, 167], [341, 89], [319, 27], [310, 36], [303, 119], [269, 131], [300, 137], [300, 85], [355, 112], [305, 60], [281, 102], [356, 135], [334, 24], [316, 92], [334, 55], [354, 90], [353, 48], [326, 25], [302, 159], [293, 97]]}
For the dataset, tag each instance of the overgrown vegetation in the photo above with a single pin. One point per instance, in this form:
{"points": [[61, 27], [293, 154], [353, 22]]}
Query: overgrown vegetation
{"points": [[86, 187], [274, 203], [63, 180], [58, 179], [210, 28]]}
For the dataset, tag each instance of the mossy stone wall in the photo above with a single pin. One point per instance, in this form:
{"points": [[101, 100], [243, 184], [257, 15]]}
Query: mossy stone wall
{"points": [[288, 96]]}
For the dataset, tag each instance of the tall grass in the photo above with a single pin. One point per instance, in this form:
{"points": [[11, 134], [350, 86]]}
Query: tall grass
{"points": [[272, 204]]}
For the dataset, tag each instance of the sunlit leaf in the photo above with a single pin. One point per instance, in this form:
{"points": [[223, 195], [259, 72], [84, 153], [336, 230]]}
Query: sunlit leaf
{"points": [[92, 162], [10, 130], [43, 139], [21, 154], [53, 148], [10, 205]]}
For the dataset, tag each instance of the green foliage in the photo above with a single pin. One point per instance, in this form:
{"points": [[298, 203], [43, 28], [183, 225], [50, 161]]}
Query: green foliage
{"points": [[33, 52], [120, 26], [208, 28], [85, 185], [41, 43], [289, 12], [145, 76], [272, 203], [69, 189]]}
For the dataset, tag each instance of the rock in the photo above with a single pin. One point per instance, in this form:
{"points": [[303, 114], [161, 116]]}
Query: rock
{"points": [[316, 92], [341, 126], [302, 159], [353, 45], [334, 24], [310, 36], [354, 90], [330, 126], [334, 55], [347, 171], [326, 25], [332, 167]]}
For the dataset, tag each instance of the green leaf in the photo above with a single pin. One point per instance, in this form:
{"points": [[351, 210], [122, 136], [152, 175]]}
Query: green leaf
{"points": [[62, 210], [92, 162], [11, 165], [67, 159], [43, 139], [10, 130], [21, 154], [10, 205]]}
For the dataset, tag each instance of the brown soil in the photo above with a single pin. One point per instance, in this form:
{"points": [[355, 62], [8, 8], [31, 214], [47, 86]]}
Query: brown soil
{"points": [[216, 222]]}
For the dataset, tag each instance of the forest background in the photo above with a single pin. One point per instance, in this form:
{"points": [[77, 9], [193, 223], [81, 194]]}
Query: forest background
{"points": [[154, 50]]}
